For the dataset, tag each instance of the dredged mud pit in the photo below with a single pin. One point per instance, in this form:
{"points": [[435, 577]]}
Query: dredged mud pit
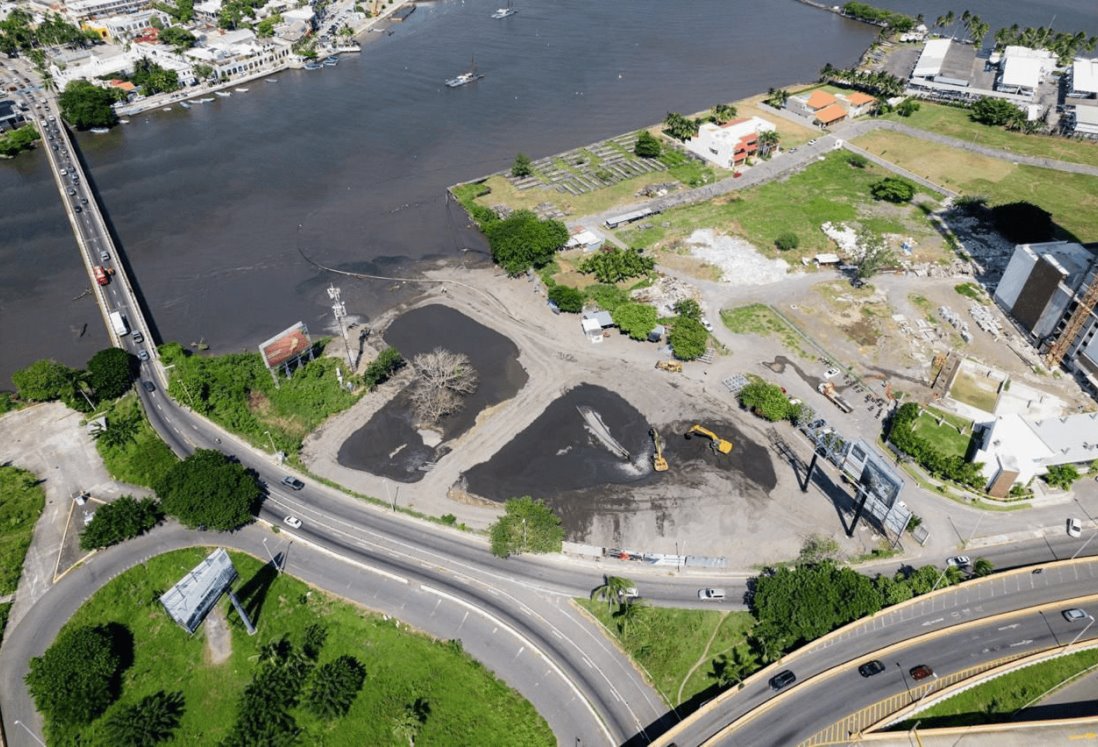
{"points": [[389, 444], [561, 459]]}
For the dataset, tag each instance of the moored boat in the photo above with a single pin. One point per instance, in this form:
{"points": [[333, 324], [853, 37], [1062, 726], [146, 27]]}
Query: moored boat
{"points": [[469, 76]]}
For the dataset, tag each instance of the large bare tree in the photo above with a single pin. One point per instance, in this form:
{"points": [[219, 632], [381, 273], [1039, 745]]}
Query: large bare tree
{"points": [[443, 379]]}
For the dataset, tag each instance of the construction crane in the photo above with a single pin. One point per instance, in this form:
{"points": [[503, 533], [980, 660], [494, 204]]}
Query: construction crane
{"points": [[716, 443], [658, 462], [1075, 323]]}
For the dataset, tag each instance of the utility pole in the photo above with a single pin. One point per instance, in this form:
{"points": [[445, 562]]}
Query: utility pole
{"points": [[339, 310]]}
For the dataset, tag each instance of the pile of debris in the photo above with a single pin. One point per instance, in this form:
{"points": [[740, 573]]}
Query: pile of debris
{"points": [[961, 326], [845, 237], [985, 320], [657, 190], [664, 294]]}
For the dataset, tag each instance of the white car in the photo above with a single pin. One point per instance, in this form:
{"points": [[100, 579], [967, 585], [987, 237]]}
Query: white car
{"points": [[831, 373], [292, 521], [707, 324], [711, 595], [958, 561], [1074, 528]]}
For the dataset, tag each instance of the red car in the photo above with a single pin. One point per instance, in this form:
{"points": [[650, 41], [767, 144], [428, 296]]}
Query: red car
{"points": [[921, 672]]}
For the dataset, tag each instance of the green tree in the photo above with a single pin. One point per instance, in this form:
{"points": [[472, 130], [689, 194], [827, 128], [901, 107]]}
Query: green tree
{"points": [[111, 372], [388, 362], [86, 105], [203, 71], [689, 339], [151, 78], [527, 525], [730, 668], [73, 682], [723, 113], [1062, 476], [875, 255], [612, 590], [178, 38], [207, 489], [119, 521], [18, 140], [522, 241], [892, 189], [567, 299], [635, 319], [992, 111], [45, 380], [334, 687], [266, 27], [626, 615], [648, 145], [608, 297], [766, 400], [787, 241], [614, 265], [768, 142], [522, 167], [680, 127], [150, 721], [122, 429], [411, 719], [907, 107], [688, 308]]}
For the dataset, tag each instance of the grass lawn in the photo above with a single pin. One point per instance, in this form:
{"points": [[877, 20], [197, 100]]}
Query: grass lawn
{"points": [[468, 705], [955, 122], [141, 461], [997, 700], [677, 647], [1071, 198], [829, 190], [945, 438], [760, 319], [979, 393], [21, 502]]}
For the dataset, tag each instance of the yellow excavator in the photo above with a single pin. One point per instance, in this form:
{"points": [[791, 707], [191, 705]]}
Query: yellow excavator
{"points": [[658, 462], [715, 442]]}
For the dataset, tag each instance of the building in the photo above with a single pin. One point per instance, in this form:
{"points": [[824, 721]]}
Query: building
{"points": [[82, 10], [1082, 82], [90, 64], [948, 70], [730, 144], [1081, 101], [239, 53], [1022, 69], [820, 106], [10, 116], [126, 27], [169, 59], [208, 11], [1041, 290], [306, 16], [1015, 449], [857, 103], [582, 238]]}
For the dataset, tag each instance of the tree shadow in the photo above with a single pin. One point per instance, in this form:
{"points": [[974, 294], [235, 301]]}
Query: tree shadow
{"points": [[656, 728], [121, 647], [253, 593]]}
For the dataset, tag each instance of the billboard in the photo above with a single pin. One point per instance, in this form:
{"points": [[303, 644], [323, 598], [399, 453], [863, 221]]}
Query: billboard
{"points": [[191, 599], [287, 346]]}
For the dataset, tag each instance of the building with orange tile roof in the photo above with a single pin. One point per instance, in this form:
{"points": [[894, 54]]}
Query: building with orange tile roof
{"points": [[829, 115]]}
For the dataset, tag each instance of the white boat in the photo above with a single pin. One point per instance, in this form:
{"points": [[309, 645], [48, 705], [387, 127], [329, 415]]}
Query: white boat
{"points": [[184, 104], [205, 100], [272, 80], [222, 94], [505, 12], [465, 78], [123, 121], [166, 109], [100, 130], [241, 90]]}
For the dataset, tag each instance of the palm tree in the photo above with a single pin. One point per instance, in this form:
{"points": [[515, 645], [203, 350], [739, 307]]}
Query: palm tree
{"points": [[612, 590], [120, 432], [626, 615], [768, 140], [728, 669], [723, 113], [982, 567]]}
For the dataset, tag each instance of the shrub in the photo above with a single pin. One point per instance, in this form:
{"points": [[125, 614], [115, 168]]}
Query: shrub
{"points": [[892, 189], [527, 525], [688, 338], [857, 160], [648, 146], [616, 265], [119, 521], [388, 362], [1062, 476], [522, 167], [635, 319], [567, 299], [992, 111], [787, 241], [908, 107], [608, 297], [689, 308], [766, 400]]}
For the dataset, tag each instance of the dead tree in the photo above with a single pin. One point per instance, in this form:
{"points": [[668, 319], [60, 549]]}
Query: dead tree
{"points": [[443, 380]]}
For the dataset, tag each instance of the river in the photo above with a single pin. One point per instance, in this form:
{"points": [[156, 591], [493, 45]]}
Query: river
{"points": [[214, 205]]}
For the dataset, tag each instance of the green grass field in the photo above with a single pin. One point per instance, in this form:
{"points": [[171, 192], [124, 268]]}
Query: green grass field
{"points": [[759, 319], [21, 502], [955, 122], [996, 701], [945, 438], [829, 190], [1071, 198], [468, 705], [141, 461], [677, 647]]}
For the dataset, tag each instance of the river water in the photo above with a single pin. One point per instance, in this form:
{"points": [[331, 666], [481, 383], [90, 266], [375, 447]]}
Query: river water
{"points": [[215, 205]]}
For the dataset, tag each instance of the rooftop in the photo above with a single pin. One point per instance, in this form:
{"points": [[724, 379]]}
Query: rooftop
{"points": [[820, 99], [857, 98], [1022, 72], [830, 114], [1071, 439], [1084, 75]]}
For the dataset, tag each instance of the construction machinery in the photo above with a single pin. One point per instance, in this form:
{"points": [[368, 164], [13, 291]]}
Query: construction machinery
{"points": [[659, 463], [716, 443], [669, 366]]}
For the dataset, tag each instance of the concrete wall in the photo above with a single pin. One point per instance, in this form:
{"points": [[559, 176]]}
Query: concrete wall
{"points": [[1017, 271]]}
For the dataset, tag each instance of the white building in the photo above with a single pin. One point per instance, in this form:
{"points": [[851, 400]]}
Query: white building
{"points": [[1083, 80], [730, 144], [80, 10], [304, 15], [233, 54], [1081, 102], [208, 11], [90, 64], [169, 59], [1015, 449], [125, 27], [1022, 70]]}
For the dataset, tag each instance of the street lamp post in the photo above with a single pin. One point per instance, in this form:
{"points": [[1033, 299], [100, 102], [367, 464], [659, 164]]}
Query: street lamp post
{"points": [[272, 557], [928, 689], [524, 533], [28, 731], [271, 439]]}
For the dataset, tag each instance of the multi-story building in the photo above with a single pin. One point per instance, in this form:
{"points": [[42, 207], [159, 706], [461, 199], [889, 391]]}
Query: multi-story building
{"points": [[82, 10], [233, 54], [1081, 101], [730, 144]]}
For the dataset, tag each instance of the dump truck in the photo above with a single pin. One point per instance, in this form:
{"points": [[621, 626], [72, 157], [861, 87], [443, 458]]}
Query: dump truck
{"points": [[659, 463], [715, 442], [102, 275], [827, 389], [669, 366]]}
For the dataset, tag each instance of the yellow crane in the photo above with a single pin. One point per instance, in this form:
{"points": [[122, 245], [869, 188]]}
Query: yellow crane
{"points": [[715, 442], [658, 462]]}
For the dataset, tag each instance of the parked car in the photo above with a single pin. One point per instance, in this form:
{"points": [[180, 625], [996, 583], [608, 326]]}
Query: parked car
{"points": [[831, 373], [959, 561], [707, 324], [1074, 615], [292, 482], [784, 678], [292, 521], [711, 595], [921, 672], [1074, 528], [871, 668]]}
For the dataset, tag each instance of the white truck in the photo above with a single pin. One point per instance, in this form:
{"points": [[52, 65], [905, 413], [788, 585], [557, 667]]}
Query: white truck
{"points": [[118, 322]]}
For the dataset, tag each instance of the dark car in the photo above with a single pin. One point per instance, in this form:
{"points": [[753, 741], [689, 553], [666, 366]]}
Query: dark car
{"points": [[137, 336], [292, 482], [148, 386], [142, 354], [921, 672], [871, 668], [784, 678]]}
